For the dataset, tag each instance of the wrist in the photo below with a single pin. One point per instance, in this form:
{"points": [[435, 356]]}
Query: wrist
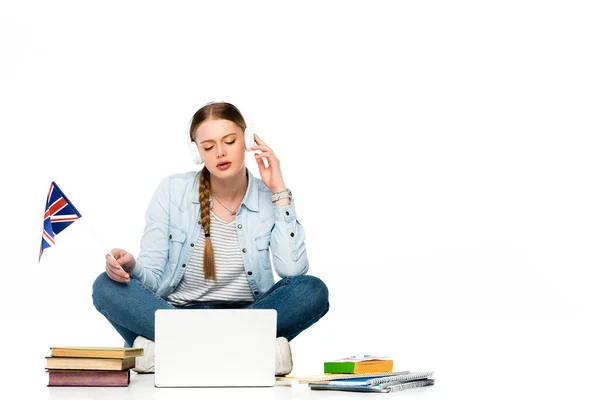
{"points": [[132, 267], [281, 195], [283, 202]]}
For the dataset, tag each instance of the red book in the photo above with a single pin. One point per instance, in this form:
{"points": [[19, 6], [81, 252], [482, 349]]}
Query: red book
{"points": [[71, 377]]}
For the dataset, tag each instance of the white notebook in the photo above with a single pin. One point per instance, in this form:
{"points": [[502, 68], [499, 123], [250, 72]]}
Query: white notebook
{"points": [[411, 376], [382, 388]]}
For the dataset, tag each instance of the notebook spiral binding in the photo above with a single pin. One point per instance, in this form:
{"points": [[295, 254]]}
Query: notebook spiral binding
{"points": [[410, 385], [402, 378]]}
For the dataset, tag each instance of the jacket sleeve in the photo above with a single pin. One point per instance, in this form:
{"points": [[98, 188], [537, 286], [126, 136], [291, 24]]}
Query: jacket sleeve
{"points": [[287, 243], [154, 247]]}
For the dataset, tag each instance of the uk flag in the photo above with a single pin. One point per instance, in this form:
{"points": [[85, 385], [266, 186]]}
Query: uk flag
{"points": [[60, 213]]}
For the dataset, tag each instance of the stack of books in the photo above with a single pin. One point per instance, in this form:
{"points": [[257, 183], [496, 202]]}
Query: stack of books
{"points": [[364, 374], [91, 366], [359, 365]]}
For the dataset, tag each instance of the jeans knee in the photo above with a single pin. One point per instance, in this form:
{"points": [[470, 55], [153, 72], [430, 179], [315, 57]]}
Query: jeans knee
{"points": [[100, 289], [322, 292], [316, 290]]}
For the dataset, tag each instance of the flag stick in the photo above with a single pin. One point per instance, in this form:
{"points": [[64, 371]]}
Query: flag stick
{"points": [[99, 240]]}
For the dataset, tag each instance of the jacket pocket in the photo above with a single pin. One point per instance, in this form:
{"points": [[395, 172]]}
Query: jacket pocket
{"points": [[262, 245], [176, 241]]}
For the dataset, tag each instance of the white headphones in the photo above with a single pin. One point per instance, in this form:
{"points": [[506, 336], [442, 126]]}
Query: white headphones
{"points": [[248, 140]]}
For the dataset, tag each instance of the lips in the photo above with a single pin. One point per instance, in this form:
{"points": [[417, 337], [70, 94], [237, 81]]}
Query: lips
{"points": [[223, 163]]}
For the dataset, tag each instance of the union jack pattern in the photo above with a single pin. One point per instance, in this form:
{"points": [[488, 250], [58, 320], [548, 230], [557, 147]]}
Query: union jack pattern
{"points": [[60, 213]]}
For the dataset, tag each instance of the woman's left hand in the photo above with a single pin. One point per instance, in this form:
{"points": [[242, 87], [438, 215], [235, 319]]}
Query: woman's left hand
{"points": [[271, 175]]}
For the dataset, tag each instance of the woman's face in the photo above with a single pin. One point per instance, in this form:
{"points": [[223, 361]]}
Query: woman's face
{"points": [[221, 146]]}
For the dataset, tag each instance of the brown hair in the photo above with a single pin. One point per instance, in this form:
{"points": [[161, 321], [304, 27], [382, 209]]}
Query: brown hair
{"points": [[215, 110]]}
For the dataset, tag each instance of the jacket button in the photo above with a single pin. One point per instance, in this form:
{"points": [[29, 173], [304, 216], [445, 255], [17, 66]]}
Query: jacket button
{"points": [[287, 213], [255, 292], [244, 250], [199, 222], [292, 234], [192, 244], [249, 272], [240, 226], [170, 236], [183, 265]]}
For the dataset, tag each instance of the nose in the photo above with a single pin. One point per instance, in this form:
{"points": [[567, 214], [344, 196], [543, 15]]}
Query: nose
{"points": [[220, 150]]}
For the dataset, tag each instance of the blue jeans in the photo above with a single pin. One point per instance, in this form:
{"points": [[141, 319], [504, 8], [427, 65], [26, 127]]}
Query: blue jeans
{"points": [[300, 301]]}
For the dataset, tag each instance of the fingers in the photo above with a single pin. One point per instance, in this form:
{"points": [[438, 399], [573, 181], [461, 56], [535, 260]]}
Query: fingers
{"points": [[261, 163], [117, 274], [124, 261], [259, 141], [115, 271], [117, 253], [261, 147], [266, 153], [118, 270], [111, 261], [116, 277]]}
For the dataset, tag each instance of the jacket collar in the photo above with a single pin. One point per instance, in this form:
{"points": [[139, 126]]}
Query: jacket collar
{"points": [[250, 198]]}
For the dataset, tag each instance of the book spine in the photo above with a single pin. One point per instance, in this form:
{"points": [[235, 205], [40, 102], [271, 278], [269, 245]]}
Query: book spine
{"points": [[88, 378], [410, 385], [92, 354], [86, 363]]}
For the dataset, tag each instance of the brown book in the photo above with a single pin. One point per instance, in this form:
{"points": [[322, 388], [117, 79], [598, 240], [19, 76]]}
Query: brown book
{"points": [[107, 364], [97, 352], [67, 377]]}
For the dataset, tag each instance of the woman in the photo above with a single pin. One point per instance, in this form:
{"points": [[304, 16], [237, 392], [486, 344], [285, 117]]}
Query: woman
{"points": [[198, 254]]}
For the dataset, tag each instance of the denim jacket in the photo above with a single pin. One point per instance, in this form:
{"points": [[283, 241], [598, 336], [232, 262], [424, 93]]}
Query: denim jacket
{"points": [[173, 227]]}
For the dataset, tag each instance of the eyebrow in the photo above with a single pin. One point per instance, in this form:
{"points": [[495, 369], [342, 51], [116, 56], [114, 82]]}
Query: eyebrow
{"points": [[210, 140]]}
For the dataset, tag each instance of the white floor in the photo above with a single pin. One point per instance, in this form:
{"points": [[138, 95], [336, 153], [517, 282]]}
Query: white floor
{"points": [[142, 387], [508, 359]]}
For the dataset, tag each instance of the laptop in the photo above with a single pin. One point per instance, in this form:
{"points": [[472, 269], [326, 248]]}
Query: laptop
{"points": [[215, 347]]}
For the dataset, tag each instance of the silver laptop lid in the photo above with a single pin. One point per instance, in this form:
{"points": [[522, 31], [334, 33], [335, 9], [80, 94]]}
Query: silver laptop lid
{"points": [[215, 347]]}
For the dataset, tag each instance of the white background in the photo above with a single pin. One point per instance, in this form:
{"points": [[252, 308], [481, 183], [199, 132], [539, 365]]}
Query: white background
{"points": [[443, 157]]}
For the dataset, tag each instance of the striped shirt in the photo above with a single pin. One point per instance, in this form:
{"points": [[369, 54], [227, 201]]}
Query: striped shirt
{"points": [[231, 283]]}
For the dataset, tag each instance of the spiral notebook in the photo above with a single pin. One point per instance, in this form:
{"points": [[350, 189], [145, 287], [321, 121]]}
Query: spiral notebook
{"points": [[329, 377], [381, 388], [366, 381]]}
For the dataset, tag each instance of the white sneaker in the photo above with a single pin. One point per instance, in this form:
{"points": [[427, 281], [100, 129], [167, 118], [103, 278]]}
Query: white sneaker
{"points": [[283, 357], [144, 364]]}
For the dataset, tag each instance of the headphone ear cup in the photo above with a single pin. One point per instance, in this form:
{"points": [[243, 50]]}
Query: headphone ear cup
{"points": [[195, 153], [249, 136]]}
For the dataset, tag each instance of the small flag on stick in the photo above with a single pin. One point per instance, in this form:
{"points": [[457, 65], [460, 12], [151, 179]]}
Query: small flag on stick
{"points": [[60, 213]]}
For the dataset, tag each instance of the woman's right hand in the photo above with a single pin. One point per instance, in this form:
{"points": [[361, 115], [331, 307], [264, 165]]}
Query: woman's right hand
{"points": [[119, 269]]}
